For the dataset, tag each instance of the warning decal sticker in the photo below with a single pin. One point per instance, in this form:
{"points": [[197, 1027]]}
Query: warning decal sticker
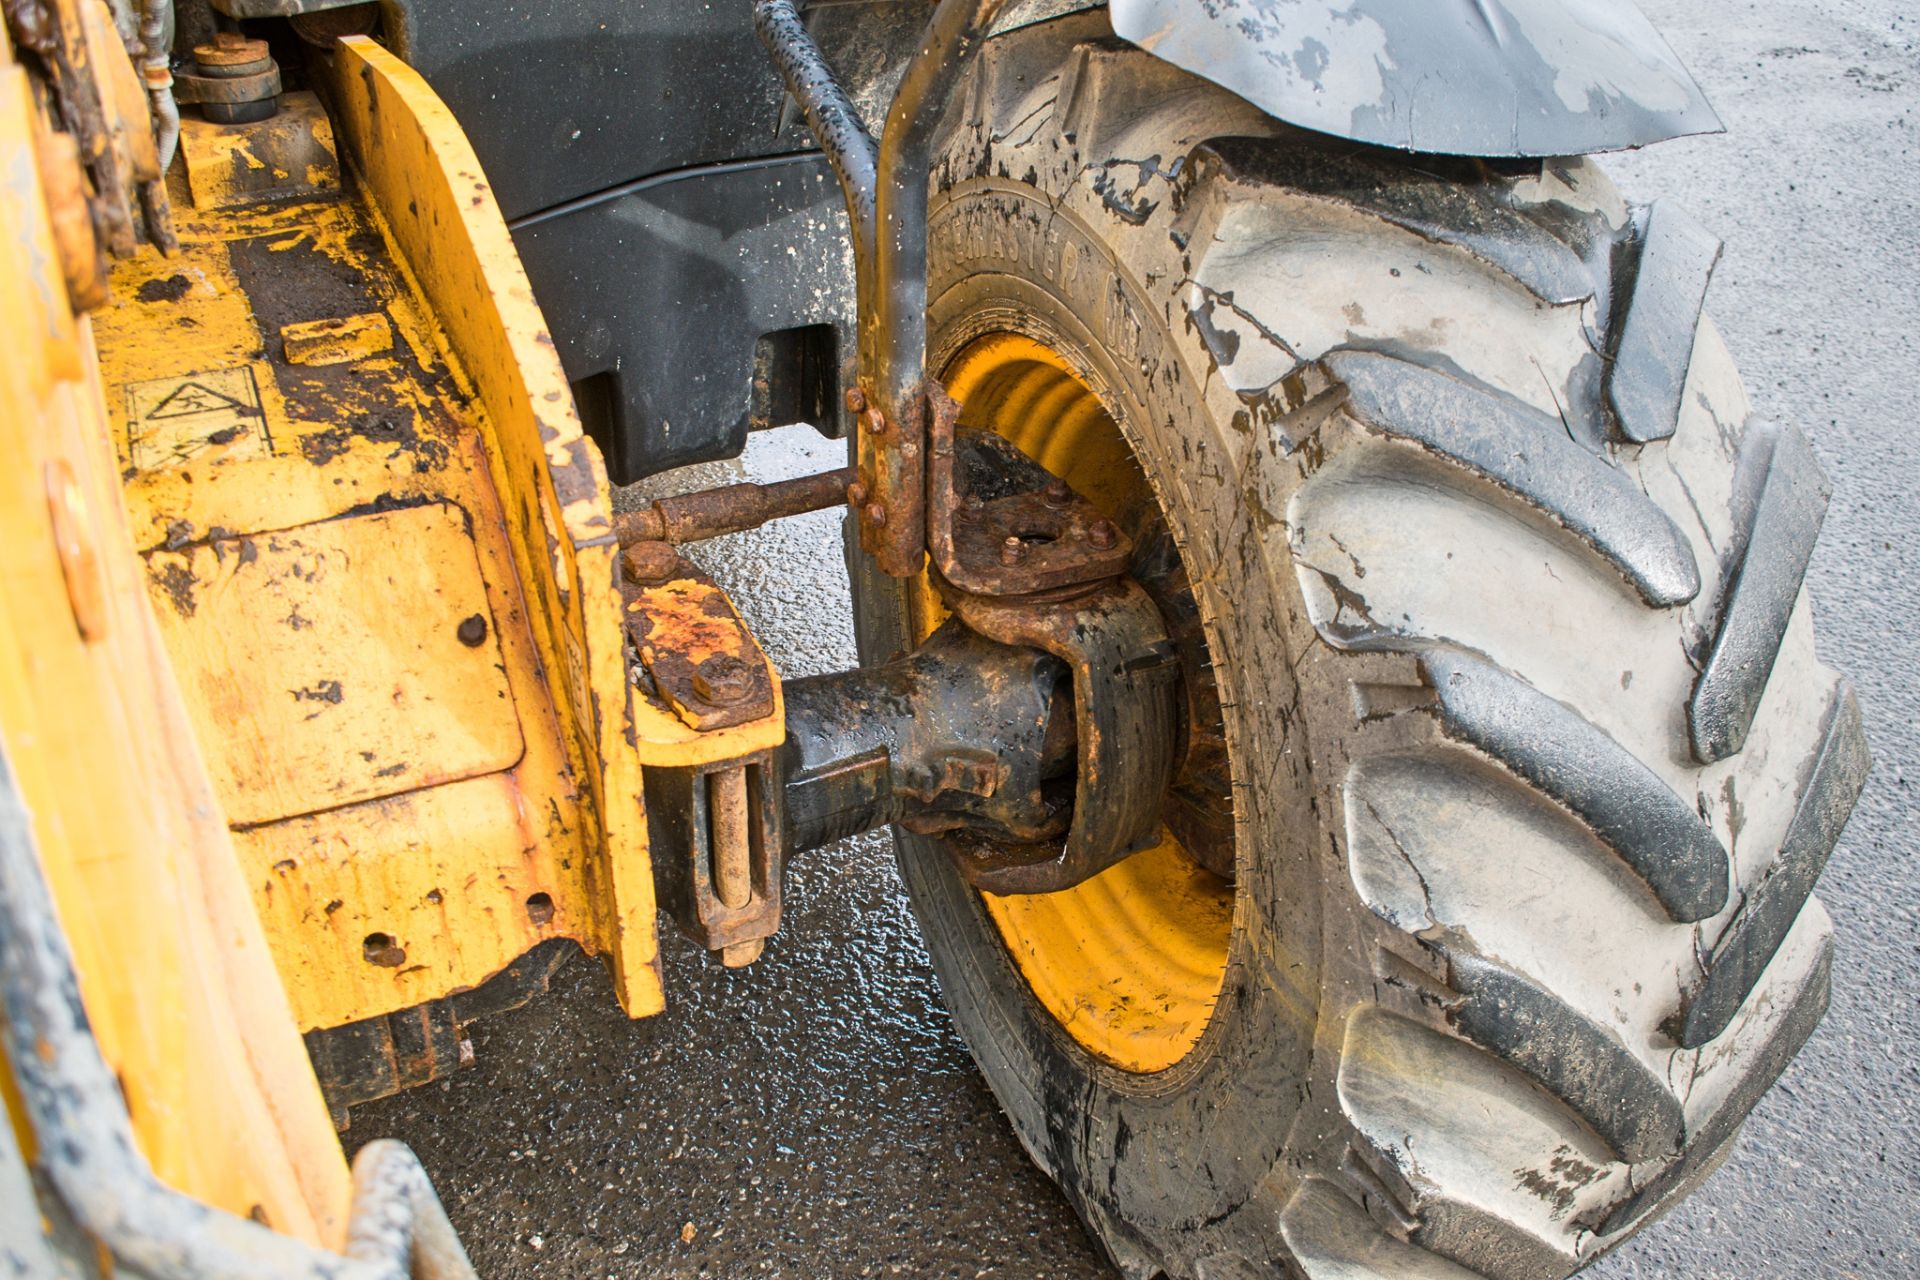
{"points": [[173, 420]]}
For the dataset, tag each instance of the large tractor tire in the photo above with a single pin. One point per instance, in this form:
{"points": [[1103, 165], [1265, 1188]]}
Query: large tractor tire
{"points": [[1484, 916]]}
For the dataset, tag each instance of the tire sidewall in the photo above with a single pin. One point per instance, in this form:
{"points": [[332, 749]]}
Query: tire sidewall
{"points": [[1187, 1146]]}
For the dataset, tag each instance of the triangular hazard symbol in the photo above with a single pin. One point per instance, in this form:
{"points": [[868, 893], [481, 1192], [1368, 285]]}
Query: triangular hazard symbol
{"points": [[190, 398]]}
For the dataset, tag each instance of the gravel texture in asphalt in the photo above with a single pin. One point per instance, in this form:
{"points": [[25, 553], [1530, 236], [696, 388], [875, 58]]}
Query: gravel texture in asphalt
{"points": [[817, 1115]]}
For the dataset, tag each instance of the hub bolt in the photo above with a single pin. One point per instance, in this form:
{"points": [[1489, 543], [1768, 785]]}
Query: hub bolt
{"points": [[1103, 534], [1057, 493], [1012, 551]]}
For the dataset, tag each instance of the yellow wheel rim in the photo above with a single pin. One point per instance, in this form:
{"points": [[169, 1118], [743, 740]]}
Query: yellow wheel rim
{"points": [[1131, 962]]}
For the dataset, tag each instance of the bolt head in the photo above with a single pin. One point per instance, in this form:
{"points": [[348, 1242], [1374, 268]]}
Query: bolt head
{"points": [[856, 400], [1102, 534], [722, 680], [1012, 551], [875, 422], [876, 514], [1057, 494], [648, 564], [857, 493]]}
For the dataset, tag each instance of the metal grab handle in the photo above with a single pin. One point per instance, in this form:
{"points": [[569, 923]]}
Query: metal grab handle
{"points": [[398, 1217]]}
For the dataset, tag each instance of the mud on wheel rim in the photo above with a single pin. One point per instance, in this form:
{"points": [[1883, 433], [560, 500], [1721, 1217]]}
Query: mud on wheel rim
{"points": [[1131, 962]]}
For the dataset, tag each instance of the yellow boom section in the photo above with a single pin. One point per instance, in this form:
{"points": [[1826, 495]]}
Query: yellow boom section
{"points": [[174, 968]]}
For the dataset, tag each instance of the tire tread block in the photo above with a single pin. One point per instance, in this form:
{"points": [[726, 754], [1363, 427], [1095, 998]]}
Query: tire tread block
{"points": [[1647, 378], [1762, 588], [1834, 781], [1574, 762], [1569, 1054], [1803, 1008], [1530, 455], [1331, 1238]]}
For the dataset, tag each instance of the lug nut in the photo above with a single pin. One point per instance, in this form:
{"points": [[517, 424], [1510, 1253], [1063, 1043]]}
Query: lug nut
{"points": [[1102, 534], [1012, 551], [856, 493], [876, 514], [650, 563], [1057, 494], [856, 400], [722, 680]]}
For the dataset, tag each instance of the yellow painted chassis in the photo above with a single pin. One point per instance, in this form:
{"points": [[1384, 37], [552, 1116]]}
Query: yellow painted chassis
{"points": [[313, 688]]}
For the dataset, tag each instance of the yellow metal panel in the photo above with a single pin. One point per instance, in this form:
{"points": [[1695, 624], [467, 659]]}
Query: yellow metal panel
{"points": [[173, 965], [383, 890], [438, 208], [307, 696], [290, 155], [373, 439], [414, 886]]}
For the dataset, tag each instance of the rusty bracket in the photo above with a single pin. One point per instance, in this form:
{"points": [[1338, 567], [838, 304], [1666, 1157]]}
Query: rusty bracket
{"points": [[890, 492], [718, 853], [999, 524], [701, 656], [886, 194], [714, 825], [1126, 702]]}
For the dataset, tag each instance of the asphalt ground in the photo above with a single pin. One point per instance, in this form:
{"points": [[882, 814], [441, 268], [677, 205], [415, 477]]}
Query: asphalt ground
{"points": [[817, 1114]]}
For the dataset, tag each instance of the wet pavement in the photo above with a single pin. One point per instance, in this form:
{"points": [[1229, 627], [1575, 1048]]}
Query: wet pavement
{"points": [[817, 1115]]}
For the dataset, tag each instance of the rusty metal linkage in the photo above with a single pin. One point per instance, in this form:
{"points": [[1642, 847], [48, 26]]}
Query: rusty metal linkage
{"points": [[1040, 729], [962, 732], [1127, 707], [718, 853], [695, 517], [1039, 739], [702, 658], [886, 195]]}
